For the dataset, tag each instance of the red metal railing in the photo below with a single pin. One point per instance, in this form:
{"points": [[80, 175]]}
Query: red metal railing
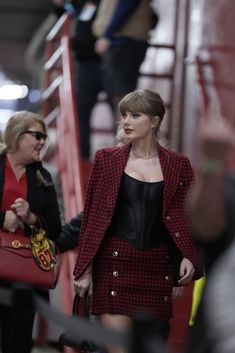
{"points": [[204, 66], [60, 111]]}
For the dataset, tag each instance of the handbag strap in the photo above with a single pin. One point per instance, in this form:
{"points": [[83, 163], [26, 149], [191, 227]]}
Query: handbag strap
{"points": [[81, 306]]}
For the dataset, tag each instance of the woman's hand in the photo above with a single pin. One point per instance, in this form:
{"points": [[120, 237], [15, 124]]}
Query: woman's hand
{"points": [[102, 46], [186, 272], [12, 222], [22, 210], [177, 292], [84, 284]]}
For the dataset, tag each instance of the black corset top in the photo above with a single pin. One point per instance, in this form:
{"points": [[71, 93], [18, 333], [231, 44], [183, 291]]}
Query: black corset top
{"points": [[138, 214]]}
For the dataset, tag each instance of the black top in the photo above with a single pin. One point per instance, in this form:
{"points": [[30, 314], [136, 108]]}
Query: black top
{"points": [[138, 214]]}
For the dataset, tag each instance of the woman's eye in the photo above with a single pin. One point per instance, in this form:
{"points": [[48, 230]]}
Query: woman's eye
{"points": [[136, 115]]}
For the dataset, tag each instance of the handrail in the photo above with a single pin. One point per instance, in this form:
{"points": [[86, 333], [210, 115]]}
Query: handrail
{"points": [[205, 70], [54, 58], [202, 85], [61, 26], [52, 88], [52, 116], [62, 82], [59, 109]]}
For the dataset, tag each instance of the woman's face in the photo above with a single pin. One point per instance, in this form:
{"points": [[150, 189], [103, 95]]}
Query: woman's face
{"points": [[31, 143], [136, 125]]}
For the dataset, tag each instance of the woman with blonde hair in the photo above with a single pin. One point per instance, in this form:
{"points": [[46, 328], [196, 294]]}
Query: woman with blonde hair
{"points": [[27, 197]]}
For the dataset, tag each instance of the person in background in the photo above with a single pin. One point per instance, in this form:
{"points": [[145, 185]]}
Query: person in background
{"points": [[27, 198], [216, 143], [88, 75], [134, 222], [123, 29], [212, 213], [89, 81], [69, 236], [219, 303]]}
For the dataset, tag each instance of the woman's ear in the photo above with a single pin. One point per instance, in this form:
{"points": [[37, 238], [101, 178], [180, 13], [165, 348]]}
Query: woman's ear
{"points": [[156, 121]]}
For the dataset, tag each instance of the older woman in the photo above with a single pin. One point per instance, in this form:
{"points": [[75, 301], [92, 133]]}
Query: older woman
{"points": [[27, 197], [135, 221]]}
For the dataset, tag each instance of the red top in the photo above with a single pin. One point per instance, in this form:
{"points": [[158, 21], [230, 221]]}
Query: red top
{"points": [[12, 190]]}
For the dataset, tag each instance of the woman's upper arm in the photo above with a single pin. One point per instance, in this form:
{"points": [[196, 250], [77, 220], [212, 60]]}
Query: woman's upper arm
{"points": [[50, 216]]}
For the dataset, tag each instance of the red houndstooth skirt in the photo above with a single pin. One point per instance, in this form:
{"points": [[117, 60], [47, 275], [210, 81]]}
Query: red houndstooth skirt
{"points": [[128, 281]]}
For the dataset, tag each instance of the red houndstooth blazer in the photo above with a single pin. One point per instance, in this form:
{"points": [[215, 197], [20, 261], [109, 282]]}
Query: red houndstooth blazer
{"points": [[102, 193]]}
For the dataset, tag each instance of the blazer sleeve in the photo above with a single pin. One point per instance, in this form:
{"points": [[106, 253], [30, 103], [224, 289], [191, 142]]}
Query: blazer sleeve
{"points": [[69, 237], [90, 194], [188, 170], [91, 187], [183, 245]]}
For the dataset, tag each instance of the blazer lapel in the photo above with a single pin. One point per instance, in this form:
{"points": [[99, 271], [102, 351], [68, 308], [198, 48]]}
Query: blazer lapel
{"points": [[171, 168], [116, 163]]}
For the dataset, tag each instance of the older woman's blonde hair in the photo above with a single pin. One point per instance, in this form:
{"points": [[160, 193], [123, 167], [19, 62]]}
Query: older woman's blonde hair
{"points": [[18, 123]]}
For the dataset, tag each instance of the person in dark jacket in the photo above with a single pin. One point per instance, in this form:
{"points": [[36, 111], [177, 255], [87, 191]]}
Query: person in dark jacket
{"points": [[69, 236], [212, 213], [88, 75], [122, 43], [27, 197]]}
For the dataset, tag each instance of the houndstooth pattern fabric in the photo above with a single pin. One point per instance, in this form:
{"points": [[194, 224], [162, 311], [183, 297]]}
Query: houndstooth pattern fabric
{"points": [[102, 193], [128, 281]]}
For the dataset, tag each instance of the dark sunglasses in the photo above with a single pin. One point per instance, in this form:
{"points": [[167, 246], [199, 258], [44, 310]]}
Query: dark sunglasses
{"points": [[37, 134]]}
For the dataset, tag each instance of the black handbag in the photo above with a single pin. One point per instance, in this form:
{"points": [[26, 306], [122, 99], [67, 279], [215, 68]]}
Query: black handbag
{"points": [[81, 308]]}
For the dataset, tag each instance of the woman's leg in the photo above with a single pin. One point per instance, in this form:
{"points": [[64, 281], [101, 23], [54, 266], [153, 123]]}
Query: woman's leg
{"points": [[118, 323], [19, 333]]}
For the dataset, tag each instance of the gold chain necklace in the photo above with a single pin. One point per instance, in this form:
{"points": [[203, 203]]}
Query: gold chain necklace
{"points": [[149, 157]]}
